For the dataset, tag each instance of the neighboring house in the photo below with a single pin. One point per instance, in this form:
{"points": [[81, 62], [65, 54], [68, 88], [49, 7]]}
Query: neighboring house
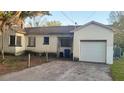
{"points": [[92, 42]]}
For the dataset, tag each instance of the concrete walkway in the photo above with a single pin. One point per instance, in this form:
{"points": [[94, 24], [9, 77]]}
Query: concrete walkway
{"points": [[62, 70]]}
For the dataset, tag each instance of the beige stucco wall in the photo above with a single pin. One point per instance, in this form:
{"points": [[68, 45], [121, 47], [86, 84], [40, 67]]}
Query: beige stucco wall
{"points": [[40, 47], [12, 49], [7, 48], [93, 32], [20, 50]]}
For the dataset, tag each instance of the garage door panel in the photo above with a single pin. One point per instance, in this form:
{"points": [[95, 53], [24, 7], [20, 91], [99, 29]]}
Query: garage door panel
{"points": [[93, 51]]}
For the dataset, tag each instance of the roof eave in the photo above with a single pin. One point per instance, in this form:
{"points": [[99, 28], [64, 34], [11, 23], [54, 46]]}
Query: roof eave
{"points": [[93, 22]]}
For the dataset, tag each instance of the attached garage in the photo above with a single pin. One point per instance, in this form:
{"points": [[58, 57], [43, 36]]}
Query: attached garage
{"points": [[93, 51], [93, 42]]}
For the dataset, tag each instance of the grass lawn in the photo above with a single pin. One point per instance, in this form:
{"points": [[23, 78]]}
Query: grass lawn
{"points": [[17, 63], [117, 69]]}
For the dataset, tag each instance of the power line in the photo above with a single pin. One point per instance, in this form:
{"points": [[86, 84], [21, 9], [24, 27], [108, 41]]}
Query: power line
{"points": [[73, 20], [68, 17]]}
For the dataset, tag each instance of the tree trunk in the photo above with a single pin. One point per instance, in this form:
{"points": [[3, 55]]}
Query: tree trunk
{"points": [[2, 45], [2, 50]]}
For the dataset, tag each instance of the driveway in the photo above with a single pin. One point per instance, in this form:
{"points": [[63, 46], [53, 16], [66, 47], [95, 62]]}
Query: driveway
{"points": [[62, 70]]}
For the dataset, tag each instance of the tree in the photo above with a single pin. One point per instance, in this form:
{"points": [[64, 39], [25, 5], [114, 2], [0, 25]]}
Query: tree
{"points": [[117, 21], [36, 21], [119, 39], [10, 18], [53, 23]]}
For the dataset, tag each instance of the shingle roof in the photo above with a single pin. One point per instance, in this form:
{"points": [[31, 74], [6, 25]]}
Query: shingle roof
{"points": [[50, 30], [60, 29]]}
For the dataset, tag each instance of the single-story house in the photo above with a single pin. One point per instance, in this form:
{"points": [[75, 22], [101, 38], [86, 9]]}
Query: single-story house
{"points": [[91, 42]]}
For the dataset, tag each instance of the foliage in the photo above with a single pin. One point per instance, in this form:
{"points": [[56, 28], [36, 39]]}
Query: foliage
{"points": [[119, 39], [53, 23], [39, 22], [18, 17], [117, 20], [117, 69], [10, 18], [36, 21]]}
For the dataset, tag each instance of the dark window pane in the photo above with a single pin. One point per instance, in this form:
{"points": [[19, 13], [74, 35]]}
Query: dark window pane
{"points": [[12, 40], [66, 42], [46, 40]]}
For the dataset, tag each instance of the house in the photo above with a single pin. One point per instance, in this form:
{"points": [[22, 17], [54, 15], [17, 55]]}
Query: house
{"points": [[92, 42]]}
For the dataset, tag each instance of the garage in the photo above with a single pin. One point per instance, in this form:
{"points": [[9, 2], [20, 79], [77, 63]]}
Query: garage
{"points": [[93, 42], [93, 51]]}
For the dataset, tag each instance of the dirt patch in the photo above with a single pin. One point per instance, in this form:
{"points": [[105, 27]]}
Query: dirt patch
{"points": [[17, 63]]}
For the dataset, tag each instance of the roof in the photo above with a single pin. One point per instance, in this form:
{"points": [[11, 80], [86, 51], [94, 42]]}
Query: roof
{"points": [[50, 30], [96, 23], [21, 31], [60, 29]]}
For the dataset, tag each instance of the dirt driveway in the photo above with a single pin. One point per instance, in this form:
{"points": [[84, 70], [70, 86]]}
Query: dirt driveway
{"points": [[62, 70]]}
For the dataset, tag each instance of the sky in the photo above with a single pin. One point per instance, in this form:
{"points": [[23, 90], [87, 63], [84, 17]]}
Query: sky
{"points": [[80, 17]]}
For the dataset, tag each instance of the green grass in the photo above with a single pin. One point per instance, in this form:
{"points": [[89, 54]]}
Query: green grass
{"points": [[117, 69]]}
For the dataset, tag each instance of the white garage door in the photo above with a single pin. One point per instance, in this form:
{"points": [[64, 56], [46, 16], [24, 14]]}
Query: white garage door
{"points": [[93, 51]]}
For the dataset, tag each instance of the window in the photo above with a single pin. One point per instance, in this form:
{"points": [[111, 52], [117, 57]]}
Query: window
{"points": [[46, 40], [66, 42], [18, 41], [15, 40], [12, 40], [31, 41]]}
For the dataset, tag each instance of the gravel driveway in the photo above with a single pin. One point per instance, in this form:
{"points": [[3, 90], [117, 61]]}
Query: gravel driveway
{"points": [[62, 70]]}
